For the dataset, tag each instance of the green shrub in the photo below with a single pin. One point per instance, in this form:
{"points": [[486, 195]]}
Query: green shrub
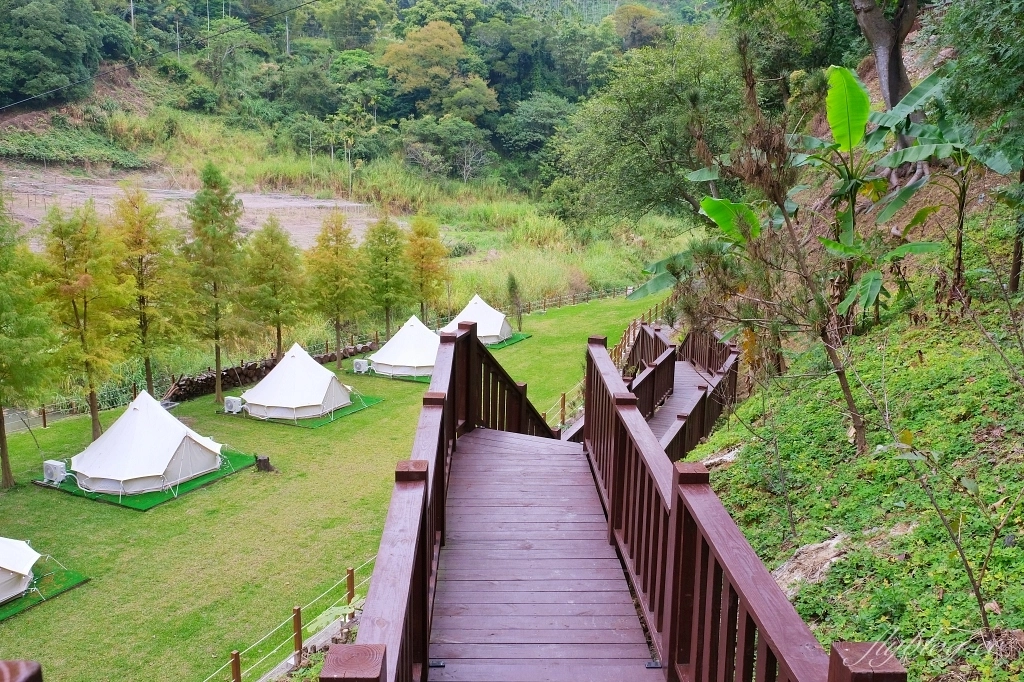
{"points": [[198, 97]]}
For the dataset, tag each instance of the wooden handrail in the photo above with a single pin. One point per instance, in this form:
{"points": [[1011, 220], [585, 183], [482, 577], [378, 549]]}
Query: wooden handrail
{"points": [[20, 671], [711, 607], [468, 389]]}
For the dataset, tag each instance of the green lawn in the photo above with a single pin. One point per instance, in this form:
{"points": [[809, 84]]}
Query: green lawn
{"points": [[173, 590], [554, 360]]}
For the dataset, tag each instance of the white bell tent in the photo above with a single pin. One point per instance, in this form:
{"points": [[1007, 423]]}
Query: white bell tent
{"points": [[146, 449], [411, 352], [16, 562], [299, 387], [491, 325]]}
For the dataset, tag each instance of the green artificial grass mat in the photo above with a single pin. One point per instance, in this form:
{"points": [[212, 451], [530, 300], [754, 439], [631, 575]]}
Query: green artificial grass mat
{"points": [[361, 403], [415, 380], [231, 461], [49, 584], [515, 338]]}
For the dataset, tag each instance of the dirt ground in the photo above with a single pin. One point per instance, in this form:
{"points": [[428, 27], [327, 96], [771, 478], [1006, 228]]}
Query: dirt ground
{"points": [[31, 191]]}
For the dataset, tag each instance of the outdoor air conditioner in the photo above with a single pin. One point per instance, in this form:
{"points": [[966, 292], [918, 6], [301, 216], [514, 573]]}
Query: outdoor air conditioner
{"points": [[232, 405], [54, 471], [361, 366]]}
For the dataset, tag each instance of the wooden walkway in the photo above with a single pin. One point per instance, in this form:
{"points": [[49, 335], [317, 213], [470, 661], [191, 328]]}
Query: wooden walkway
{"points": [[529, 589], [685, 395]]}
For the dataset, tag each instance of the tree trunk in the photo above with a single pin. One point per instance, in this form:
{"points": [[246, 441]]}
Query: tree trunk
{"points": [[859, 430], [886, 40], [1018, 247], [387, 323], [279, 347], [149, 375], [423, 312], [7, 477], [337, 341], [94, 412], [218, 391]]}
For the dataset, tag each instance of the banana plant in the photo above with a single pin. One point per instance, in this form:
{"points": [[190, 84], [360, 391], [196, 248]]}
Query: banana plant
{"points": [[960, 147]]}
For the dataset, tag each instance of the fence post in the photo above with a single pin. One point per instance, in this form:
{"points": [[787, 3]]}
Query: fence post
{"points": [[351, 589], [43, 410], [561, 410], [236, 667], [297, 634]]}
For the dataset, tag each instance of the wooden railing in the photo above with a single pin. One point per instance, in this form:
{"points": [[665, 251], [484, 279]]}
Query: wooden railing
{"points": [[719, 363], [20, 671], [654, 383], [468, 389], [712, 609]]}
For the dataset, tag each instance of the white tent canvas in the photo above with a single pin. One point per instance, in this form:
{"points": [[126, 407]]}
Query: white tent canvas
{"points": [[146, 449], [16, 562], [491, 325], [297, 388], [411, 352]]}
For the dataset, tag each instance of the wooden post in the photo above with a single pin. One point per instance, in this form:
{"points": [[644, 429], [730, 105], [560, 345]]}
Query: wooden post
{"points": [[297, 634], [351, 586], [522, 407], [135, 390], [236, 667], [561, 411], [43, 411], [864, 662], [355, 663]]}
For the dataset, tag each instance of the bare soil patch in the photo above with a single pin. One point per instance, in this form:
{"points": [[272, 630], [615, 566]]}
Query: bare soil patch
{"points": [[32, 191]]}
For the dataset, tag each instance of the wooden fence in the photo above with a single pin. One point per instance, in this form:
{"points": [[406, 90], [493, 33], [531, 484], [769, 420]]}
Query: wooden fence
{"points": [[712, 609], [468, 389]]}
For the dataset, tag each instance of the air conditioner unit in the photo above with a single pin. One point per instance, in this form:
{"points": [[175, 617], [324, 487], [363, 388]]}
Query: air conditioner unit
{"points": [[360, 366], [54, 471], [232, 405]]}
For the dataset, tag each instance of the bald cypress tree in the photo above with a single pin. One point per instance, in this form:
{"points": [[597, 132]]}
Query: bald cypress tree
{"points": [[214, 250], [27, 334]]}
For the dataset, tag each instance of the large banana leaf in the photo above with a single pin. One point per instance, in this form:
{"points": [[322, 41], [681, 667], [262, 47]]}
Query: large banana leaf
{"points": [[660, 282], [913, 247], [930, 87], [847, 107], [730, 218], [900, 199], [918, 152]]}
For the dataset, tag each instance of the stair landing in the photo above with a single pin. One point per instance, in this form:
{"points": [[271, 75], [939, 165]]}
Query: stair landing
{"points": [[528, 588]]}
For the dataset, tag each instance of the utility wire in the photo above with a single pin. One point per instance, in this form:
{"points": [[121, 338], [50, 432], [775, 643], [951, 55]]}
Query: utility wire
{"points": [[248, 24]]}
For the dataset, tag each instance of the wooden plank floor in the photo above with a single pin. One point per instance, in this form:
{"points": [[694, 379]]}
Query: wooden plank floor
{"points": [[529, 590], [683, 399]]}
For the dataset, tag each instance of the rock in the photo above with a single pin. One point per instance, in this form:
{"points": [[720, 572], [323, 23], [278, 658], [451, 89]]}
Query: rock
{"points": [[722, 460], [809, 564]]}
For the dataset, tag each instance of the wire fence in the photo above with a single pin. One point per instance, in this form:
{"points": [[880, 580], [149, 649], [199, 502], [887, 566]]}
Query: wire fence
{"points": [[265, 655], [541, 304]]}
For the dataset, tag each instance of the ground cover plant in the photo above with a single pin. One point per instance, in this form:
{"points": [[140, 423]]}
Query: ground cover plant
{"points": [[898, 576], [175, 589]]}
